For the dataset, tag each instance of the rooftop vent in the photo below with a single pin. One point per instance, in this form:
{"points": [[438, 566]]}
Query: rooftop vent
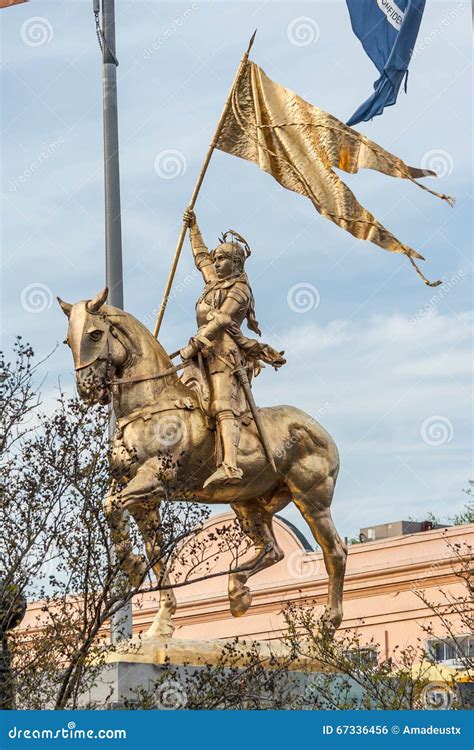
{"points": [[397, 528]]}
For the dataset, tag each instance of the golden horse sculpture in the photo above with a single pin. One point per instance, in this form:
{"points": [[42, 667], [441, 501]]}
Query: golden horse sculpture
{"points": [[116, 357]]}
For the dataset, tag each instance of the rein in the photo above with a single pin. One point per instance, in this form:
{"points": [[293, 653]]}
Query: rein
{"points": [[169, 371], [138, 379]]}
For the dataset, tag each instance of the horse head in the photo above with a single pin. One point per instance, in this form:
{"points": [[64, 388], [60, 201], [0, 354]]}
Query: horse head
{"points": [[96, 349]]}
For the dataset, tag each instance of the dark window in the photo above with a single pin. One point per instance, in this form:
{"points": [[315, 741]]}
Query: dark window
{"points": [[451, 649]]}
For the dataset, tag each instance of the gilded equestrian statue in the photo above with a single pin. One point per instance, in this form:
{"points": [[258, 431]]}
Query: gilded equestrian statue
{"points": [[206, 427]]}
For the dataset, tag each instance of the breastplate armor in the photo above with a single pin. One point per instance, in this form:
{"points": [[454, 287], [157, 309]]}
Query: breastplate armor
{"points": [[212, 299]]}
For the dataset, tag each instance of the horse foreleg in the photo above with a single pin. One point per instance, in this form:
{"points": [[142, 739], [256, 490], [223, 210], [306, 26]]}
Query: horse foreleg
{"points": [[145, 486], [256, 523], [149, 524], [132, 564]]}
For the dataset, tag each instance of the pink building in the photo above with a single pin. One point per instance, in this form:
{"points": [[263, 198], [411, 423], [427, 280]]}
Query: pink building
{"points": [[379, 596]]}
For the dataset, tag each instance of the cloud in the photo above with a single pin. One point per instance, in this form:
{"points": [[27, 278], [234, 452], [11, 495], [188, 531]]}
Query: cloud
{"points": [[381, 350], [309, 339], [382, 368], [394, 396]]}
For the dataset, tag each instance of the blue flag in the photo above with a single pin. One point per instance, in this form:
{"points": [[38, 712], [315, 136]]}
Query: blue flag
{"points": [[387, 30]]}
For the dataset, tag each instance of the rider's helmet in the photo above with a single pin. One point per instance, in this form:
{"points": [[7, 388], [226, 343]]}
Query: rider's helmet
{"points": [[237, 249]]}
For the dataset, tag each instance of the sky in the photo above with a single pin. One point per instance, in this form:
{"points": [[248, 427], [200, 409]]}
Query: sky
{"points": [[383, 361]]}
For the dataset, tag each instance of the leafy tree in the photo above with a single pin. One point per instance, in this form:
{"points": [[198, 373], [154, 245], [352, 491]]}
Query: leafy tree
{"points": [[56, 544], [56, 547]]}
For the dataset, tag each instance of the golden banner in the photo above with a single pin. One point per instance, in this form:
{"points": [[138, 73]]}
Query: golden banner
{"points": [[299, 145]]}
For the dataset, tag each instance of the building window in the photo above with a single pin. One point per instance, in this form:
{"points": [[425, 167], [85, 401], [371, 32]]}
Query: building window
{"points": [[449, 650], [362, 657]]}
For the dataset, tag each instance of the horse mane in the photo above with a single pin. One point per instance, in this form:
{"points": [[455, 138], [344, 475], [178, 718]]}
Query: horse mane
{"points": [[134, 331], [139, 337]]}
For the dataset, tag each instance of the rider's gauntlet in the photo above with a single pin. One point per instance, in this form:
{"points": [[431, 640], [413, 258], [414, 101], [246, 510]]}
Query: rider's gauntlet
{"points": [[219, 321]]}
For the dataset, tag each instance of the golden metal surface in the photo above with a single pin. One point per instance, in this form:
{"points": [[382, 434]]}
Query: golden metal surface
{"points": [[300, 145], [227, 355], [197, 187], [160, 424]]}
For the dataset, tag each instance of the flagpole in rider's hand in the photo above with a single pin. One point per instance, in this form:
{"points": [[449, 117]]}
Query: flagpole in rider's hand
{"points": [[198, 184]]}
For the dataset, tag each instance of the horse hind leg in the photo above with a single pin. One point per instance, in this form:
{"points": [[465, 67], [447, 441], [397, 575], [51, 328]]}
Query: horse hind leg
{"points": [[314, 505], [256, 522]]}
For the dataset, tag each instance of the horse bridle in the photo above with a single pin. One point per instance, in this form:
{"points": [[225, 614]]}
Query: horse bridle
{"points": [[169, 371], [105, 355]]}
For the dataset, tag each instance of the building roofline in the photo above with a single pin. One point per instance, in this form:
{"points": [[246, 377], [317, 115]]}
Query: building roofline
{"points": [[296, 531]]}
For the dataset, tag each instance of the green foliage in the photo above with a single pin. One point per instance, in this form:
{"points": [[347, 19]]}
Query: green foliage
{"points": [[56, 545]]}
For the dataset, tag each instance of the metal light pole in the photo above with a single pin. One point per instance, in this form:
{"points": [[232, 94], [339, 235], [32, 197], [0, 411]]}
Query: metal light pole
{"points": [[121, 625], [113, 225]]}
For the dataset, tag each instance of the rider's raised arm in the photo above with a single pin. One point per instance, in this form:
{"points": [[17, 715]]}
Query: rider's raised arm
{"points": [[202, 257]]}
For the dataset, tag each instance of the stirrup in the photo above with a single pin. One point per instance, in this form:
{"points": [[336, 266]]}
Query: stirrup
{"points": [[224, 474]]}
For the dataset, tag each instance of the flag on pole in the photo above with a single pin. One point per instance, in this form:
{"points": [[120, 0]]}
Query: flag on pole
{"points": [[387, 31], [299, 145], [7, 3]]}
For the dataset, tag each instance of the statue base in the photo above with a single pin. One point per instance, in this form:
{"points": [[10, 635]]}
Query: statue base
{"points": [[163, 673], [215, 653]]}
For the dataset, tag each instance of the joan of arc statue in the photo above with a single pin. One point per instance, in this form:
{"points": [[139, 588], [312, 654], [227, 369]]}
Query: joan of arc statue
{"points": [[227, 300]]}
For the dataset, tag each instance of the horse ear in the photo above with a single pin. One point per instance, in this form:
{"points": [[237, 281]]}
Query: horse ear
{"points": [[65, 307], [95, 304]]}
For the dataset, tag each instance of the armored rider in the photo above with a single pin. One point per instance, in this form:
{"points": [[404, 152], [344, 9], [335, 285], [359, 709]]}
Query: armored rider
{"points": [[226, 301]]}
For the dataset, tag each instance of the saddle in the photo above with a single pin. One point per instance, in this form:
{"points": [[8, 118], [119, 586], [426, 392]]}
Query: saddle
{"points": [[196, 378]]}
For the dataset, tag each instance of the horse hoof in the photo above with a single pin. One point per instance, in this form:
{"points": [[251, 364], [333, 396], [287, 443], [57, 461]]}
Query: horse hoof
{"points": [[161, 633], [240, 602], [164, 629], [331, 619]]}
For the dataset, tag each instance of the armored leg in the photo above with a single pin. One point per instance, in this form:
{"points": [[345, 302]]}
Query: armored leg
{"points": [[229, 433]]}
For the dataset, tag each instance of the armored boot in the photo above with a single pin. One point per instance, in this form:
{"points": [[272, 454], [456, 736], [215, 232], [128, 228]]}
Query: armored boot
{"points": [[229, 432]]}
